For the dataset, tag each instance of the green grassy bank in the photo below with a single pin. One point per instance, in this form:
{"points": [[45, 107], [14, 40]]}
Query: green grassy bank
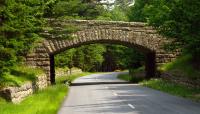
{"points": [[183, 67], [19, 75], [173, 88], [168, 87], [45, 101]]}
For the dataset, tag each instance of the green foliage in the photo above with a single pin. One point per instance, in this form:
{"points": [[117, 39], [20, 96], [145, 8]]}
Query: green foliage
{"points": [[7, 59], [121, 57], [135, 13], [173, 88], [100, 58], [125, 77], [135, 75], [179, 19], [182, 67], [76, 9], [64, 32], [92, 57], [20, 23], [117, 14], [38, 102], [19, 75], [65, 59], [88, 58]]}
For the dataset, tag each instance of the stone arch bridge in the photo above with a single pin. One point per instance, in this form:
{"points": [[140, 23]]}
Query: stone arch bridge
{"points": [[132, 34]]}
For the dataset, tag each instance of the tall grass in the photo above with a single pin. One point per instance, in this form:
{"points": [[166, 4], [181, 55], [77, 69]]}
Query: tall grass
{"points": [[182, 67], [43, 102], [18, 75], [173, 88], [46, 101]]}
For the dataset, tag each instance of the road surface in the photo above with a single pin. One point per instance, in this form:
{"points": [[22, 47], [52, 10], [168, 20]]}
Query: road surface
{"points": [[121, 98]]}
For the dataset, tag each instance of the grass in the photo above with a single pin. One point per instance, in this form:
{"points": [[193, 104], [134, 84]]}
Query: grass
{"points": [[182, 67], [173, 88], [129, 78], [18, 76], [125, 77], [133, 76], [168, 87], [70, 78], [46, 101]]}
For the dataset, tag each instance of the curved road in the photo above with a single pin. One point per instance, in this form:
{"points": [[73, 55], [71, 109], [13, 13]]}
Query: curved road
{"points": [[121, 98]]}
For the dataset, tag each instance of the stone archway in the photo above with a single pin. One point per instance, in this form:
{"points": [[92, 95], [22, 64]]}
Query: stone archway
{"points": [[132, 34]]}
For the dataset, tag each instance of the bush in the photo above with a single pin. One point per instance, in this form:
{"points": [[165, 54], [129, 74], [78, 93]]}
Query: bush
{"points": [[18, 75], [7, 59]]}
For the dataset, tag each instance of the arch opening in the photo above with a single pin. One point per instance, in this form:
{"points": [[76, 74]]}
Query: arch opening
{"points": [[150, 63]]}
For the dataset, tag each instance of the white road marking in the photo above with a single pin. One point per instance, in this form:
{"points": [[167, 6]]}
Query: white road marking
{"points": [[115, 94], [106, 87], [130, 105]]}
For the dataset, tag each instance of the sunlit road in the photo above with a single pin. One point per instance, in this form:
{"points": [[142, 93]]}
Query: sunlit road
{"points": [[121, 98]]}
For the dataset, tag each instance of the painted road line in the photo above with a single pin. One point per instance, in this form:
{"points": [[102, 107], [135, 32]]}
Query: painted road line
{"points": [[115, 94], [130, 105]]}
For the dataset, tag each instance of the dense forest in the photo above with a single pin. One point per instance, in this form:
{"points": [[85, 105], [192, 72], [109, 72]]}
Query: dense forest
{"points": [[21, 22], [174, 18]]}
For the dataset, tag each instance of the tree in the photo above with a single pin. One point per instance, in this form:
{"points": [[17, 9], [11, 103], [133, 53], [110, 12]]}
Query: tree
{"points": [[179, 19], [88, 58], [119, 57], [85, 9], [20, 23], [65, 59]]}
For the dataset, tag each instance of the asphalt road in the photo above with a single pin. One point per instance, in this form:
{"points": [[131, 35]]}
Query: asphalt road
{"points": [[121, 98]]}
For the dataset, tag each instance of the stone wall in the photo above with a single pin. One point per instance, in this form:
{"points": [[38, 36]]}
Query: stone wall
{"points": [[41, 82], [17, 94]]}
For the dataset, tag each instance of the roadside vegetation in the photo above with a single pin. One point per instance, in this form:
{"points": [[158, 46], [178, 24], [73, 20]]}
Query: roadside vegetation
{"points": [[184, 67], [125, 77], [45, 101], [134, 75], [70, 78], [173, 88], [181, 68], [166, 86], [19, 75]]}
